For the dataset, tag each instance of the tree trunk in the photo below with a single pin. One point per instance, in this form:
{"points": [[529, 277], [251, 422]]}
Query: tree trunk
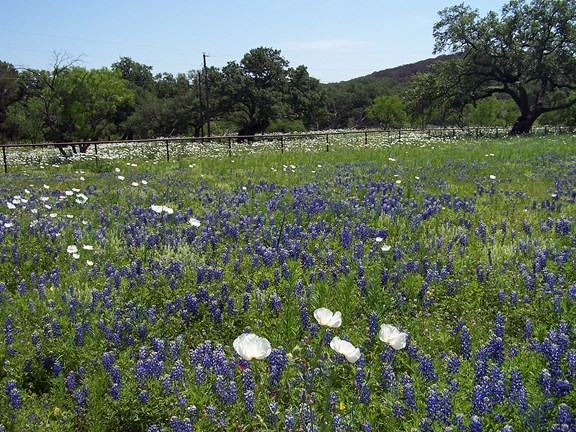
{"points": [[523, 125]]}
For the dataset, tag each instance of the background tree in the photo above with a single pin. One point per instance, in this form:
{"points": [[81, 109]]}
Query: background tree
{"points": [[8, 94], [388, 111], [262, 88], [69, 103], [528, 54]]}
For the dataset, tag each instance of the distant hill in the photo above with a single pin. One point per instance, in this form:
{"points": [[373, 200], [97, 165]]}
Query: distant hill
{"points": [[405, 72]]}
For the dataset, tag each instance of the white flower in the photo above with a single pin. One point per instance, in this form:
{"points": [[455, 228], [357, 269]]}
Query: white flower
{"points": [[327, 318], [392, 336], [386, 248], [249, 346], [88, 247], [161, 209], [379, 239], [76, 256], [81, 198], [10, 205], [89, 263], [345, 348], [492, 177], [194, 222], [121, 177], [72, 249], [135, 184], [144, 182]]}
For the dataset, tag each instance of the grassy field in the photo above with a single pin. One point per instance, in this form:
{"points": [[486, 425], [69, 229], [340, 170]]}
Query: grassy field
{"points": [[123, 284]]}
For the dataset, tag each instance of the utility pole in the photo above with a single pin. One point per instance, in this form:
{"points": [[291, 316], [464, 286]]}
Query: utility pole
{"points": [[201, 105], [204, 55]]}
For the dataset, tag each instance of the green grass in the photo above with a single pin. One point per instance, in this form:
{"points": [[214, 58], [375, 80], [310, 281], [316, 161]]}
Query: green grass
{"points": [[475, 229]]}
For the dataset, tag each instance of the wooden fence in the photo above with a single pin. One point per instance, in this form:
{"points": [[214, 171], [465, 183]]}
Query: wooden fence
{"points": [[282, 142]]}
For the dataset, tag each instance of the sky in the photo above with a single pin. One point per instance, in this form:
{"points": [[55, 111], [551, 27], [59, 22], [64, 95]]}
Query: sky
{"points": [[337, 40]]}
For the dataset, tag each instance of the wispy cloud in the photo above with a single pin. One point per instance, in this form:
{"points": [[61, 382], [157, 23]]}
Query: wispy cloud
{"points": [[325, 45]]}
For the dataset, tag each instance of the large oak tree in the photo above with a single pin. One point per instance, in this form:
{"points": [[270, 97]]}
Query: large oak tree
{"points": [[527, 53]]}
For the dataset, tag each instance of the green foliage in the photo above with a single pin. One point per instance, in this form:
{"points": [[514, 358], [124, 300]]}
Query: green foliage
{"points": [[526, 53], [388, 111]]}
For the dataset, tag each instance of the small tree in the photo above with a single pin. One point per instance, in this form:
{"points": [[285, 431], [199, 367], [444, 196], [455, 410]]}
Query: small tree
{"points": [[388, 111], [528, 54]]}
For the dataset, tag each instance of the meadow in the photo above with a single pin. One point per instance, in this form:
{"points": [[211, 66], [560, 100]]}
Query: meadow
{"points": [[127, 282]]}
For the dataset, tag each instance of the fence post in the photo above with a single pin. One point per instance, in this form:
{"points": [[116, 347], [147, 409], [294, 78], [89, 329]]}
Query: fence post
{"points": [[399, 136], [327, 146], [167, 152], [5, 161], [229, 147], [282, 144], [366, 138]]}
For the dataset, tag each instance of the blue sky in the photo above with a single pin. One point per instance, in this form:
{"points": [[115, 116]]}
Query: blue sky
{"points": [[336, 39]]}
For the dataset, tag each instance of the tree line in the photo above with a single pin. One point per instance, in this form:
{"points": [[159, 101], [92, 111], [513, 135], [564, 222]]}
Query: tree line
{"points": [[512, 69]]}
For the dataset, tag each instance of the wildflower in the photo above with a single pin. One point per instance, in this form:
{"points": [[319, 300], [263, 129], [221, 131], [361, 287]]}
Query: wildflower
{"points": [[161, 209], [386, 248], [345, 348], [492, 177], [249, 346], [88, 247], [392, 336], [194, 222], [327, 318], [72, 249]]}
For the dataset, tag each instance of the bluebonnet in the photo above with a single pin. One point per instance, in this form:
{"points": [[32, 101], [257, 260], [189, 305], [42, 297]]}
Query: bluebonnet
{"points": [[517, 392], [13, 394], [372, 325], [465, 345], [248, 389], [278, 361], [476, 424], [426, 366], [408, 393], [398, 409]]}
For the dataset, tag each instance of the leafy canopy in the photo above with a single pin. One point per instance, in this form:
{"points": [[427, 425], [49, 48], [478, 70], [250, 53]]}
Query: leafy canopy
{"points": [[528, 54]]}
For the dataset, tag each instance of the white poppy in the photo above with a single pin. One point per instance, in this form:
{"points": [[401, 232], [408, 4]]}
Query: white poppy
{"points": [[88, 247], [249, 346], [345, 348], [327, 318], [386, 248], [194, 222], [72, 249], [392, 336]]}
